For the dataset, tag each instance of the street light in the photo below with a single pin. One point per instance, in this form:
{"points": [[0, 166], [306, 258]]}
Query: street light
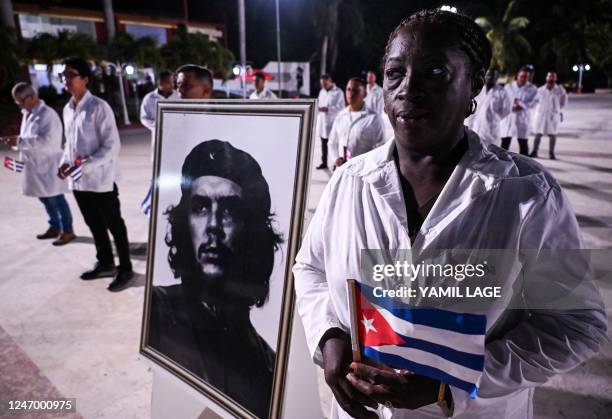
{"points": [[580, 68], [449, 9]]}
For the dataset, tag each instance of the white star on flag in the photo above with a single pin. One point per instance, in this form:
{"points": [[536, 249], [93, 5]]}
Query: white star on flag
{"points": [[368, 324]]}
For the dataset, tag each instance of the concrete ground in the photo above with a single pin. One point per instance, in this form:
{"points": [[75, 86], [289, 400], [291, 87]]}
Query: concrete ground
{"points": [[63, 337]]}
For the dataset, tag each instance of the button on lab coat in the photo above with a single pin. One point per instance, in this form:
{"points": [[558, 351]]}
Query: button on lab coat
{"points": [[92, 134], [548, 111], [493, 106], [492, 200], [359, 132], [334, 101], [516, 124], [40, 147], [148, 112]]}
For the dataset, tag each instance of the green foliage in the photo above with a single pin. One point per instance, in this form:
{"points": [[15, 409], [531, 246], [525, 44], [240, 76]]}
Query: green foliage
{"points": [[508, 44], [196, 48], [599, 39], [10, 55]]}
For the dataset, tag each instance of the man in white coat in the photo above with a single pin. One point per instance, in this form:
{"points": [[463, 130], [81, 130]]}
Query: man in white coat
{"points": [[40, 145], [331, 102], [91, 164], [374, 98], [148, 109], [523, 96], [492, 105], [357, 128], [552, 97], [261, 91]]}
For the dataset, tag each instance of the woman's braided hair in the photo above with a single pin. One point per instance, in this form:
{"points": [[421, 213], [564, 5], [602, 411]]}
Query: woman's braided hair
{"points": [[470, 38]]}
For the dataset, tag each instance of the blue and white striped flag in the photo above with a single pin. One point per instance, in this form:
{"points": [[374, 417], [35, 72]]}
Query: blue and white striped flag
{"points": [[441, 344], [75, 173], [14, 165], [145, 205]]}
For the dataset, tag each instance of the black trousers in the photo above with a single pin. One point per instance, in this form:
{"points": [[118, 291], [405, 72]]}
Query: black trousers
{"points": [[523, 147], [101, 211], [324, 151]]}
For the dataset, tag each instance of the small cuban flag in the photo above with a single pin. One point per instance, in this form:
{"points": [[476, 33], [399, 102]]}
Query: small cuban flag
{"points": [[14, 165], [440, 344], [75, 171], [145, 205]]}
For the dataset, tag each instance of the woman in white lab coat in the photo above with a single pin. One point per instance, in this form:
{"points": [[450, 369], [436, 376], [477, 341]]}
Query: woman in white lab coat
{"points": [[435, 186]]}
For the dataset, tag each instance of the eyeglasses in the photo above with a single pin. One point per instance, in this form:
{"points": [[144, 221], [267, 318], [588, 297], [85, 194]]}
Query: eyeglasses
{"points": [[67, 75]]}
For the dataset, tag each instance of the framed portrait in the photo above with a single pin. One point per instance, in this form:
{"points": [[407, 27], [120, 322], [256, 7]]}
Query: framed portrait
{"points": [[229, 194]]}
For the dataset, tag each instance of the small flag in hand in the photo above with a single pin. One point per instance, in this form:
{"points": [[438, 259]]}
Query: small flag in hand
{"points": [[440, 344], [145, 205], [14, 165]]}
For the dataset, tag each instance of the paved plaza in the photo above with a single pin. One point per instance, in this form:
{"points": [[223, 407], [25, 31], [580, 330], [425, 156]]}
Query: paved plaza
{"points": [[63, 337]]}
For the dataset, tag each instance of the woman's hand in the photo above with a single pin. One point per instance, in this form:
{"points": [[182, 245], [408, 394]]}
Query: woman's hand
{"points": [[404, 390], [337, 356]]}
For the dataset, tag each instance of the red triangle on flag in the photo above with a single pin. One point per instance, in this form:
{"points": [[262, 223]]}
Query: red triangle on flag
{"points": [[374, 330]]}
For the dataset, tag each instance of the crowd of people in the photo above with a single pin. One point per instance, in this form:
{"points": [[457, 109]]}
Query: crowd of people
{"points": [[401, 195], [349, 124]]}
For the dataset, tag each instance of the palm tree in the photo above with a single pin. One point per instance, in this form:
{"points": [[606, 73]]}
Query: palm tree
{"points": [[330, 28], [10, 55], [507, 43]]}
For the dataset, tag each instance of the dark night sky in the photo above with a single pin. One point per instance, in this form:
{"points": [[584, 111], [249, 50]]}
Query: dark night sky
{"points": [[300, 40]]}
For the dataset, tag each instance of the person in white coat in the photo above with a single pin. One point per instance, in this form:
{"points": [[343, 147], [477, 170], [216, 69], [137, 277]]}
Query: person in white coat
{"points": [[92, 150], [524, 97], [436, 186], [552, 98], [374, 98], [331, 102], [261, 91], [357, 128], [148, 109], [492, 105], [40, 146]]}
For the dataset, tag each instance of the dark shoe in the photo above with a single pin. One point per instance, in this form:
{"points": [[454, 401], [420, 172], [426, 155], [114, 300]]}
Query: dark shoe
{"points": [[322, 166], [552, 156], [64, 238], [534, 154], [51, 233], [99, 271], [121, 280]]}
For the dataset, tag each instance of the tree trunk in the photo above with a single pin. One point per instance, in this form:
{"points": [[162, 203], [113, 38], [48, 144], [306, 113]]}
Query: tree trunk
{"points": [[324, 56], [7, 15], [109, 20]]}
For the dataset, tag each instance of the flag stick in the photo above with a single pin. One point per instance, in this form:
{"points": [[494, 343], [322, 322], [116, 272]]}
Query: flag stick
{"points": [[352, 294]]}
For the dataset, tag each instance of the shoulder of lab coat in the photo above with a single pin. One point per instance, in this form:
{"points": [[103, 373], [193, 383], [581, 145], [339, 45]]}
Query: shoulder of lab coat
{"points": [[336, 102], [44, 134], [148, 109]]}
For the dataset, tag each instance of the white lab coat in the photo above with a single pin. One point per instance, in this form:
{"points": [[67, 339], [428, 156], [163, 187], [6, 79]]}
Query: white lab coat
{"points": [[374, 99], [548, 111], [40, 147], [265, 94], [359, 132], [148, 112], [492, 107], [516, 124], [92, 134], [334, 101], [493, 200]]}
